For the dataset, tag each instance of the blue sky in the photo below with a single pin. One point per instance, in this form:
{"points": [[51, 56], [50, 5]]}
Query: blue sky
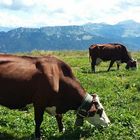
{"points": [[38, 13]]}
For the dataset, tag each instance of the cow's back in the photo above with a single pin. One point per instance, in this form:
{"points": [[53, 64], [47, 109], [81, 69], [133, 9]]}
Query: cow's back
{"points": [[108, 51], [24, 79], [17, 77]]}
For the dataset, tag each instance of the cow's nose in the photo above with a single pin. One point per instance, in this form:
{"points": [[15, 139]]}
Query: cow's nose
{"points": [[109, 123]]}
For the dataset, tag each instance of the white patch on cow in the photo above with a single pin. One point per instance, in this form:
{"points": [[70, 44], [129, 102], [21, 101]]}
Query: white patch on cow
{"points": [[97, 119], [98, 61], [136, 64], [104, 116], [51, 110]]}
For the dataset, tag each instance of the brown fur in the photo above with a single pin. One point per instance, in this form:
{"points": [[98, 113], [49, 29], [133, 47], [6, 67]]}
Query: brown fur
{"points": [[44, 81]]}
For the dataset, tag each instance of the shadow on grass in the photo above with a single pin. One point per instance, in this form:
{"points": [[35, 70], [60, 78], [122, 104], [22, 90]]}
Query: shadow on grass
{"points": [[75, 134], [97, 72], [90, 72], [78, 134], [6, 136]]}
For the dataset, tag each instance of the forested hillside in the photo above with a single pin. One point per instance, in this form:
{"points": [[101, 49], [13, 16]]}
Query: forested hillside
{"points": [[70, 37]]}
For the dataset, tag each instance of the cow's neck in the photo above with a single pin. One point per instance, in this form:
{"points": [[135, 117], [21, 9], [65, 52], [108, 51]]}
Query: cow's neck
{"points": [[71, 95], [85, 106], [128, 58]]}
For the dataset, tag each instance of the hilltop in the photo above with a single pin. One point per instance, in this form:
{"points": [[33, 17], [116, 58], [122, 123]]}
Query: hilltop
{"points": [[69, 37]]}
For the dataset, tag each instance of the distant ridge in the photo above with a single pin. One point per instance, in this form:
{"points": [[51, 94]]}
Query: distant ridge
{"points": [[69, 37]]}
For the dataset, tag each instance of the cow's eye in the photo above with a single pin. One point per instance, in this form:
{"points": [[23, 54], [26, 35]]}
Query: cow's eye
{"points": [[100, 111], [96, 105]]}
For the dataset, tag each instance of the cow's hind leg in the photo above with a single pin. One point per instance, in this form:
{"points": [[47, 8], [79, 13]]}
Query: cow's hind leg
{"points": [[39, 111], [93, 63], [111, 64], [59, 122]]}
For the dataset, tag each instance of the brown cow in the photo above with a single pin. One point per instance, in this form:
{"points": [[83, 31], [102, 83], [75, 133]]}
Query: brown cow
{"points": [[49, 84], [113, 52]]}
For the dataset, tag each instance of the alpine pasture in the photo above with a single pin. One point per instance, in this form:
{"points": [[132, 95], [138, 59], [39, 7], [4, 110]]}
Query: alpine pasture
{"points": [[119, 92]]}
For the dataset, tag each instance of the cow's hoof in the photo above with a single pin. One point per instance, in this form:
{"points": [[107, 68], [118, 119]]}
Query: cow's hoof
{"points": [[62, 130]]}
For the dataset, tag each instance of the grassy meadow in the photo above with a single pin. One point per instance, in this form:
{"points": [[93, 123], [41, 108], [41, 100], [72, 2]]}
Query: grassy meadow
{"points": [[119, 92]]}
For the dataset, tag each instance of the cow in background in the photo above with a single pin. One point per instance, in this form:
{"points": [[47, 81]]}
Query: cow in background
{"points": [[112, 51]]}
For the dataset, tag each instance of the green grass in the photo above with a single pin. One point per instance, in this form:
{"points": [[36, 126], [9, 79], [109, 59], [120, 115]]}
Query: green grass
{"points": [[119, 92]]}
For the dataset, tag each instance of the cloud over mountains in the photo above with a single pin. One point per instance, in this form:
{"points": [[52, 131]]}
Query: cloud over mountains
{"points": [[37, 13]]}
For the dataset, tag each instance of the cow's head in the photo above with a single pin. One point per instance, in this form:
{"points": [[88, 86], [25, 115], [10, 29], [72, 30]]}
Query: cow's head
{"points": [[92, 111], [131, 64]]}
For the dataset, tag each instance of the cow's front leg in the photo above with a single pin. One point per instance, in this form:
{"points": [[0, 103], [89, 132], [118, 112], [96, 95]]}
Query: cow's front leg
{"points": [[39, 111], [118, 65], [111, 64], [59, 122], [79, 121]]}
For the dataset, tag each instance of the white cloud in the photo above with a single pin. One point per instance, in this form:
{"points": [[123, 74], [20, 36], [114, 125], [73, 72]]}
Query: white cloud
{"points": [[61, 12], [16, 4], [5, 2]]}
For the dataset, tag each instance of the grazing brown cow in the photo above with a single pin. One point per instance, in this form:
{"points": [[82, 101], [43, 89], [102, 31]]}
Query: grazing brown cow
{"points": [[113, 52], [50, 85]]}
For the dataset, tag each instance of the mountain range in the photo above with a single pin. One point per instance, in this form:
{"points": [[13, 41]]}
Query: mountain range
{"points": [[69, 37]]}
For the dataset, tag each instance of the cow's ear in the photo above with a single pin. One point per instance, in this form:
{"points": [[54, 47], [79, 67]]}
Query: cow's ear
{"points": [[93, 95], [53, 77], [56, 83], [51, 72], [135, 61]]}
